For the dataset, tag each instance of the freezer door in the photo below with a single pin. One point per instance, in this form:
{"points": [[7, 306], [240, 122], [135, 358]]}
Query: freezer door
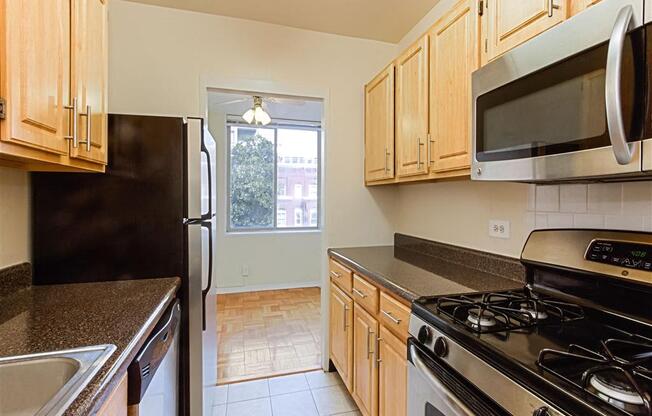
{"points": [[195, 318], [200, 157], [208, 237]]}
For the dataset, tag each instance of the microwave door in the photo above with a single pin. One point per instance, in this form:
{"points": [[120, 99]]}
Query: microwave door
{"points": [[547, 111]]}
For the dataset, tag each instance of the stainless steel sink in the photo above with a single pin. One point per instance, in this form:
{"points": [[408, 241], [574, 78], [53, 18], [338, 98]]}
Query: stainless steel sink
{"points": [[47, 383]]}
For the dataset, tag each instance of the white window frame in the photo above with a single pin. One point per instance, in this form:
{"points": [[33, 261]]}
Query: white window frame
{"points": [[276, 125]]}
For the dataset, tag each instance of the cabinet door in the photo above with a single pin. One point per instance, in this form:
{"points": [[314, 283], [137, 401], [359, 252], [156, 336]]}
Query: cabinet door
{"points": [[578, 6], [453, 57], [379, 126], [513, 22], [365, 369], [341, 334], [89, 78], [392, 375], [412, 110], [36, 87]]}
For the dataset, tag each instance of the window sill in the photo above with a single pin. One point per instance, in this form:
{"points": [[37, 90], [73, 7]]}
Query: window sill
{"points": [[232, 233]]}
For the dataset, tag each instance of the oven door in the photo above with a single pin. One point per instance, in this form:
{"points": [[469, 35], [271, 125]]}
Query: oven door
{"points": [[568, 104], [436, 390]]}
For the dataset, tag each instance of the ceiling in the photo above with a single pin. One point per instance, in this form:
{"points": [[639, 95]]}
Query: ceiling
{"points": [[383, 20], [278, 107]]}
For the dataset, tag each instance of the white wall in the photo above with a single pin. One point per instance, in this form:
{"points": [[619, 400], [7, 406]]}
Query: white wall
{"points": [[14, 217], [161, 61]]}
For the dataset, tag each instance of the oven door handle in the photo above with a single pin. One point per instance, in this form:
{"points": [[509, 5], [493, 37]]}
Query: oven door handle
{"points": [[623, 151], [434, 382]]}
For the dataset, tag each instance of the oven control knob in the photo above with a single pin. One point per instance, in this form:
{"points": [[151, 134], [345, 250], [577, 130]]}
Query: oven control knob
{"points": [[425, 335], [441, 347], [542, 411]]}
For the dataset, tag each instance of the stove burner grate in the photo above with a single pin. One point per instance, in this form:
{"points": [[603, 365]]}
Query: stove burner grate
{"points": [[617, 380]]}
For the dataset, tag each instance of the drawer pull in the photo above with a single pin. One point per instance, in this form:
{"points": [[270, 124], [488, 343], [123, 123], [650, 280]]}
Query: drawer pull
{"points": [[359, 293], [335, 274], [390, 317]]}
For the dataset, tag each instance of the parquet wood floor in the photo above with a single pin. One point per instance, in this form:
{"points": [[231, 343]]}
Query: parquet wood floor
{"points": [[269, 333]]}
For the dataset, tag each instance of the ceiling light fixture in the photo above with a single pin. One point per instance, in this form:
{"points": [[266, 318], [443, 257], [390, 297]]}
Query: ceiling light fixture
{"points": [[256, 114]]}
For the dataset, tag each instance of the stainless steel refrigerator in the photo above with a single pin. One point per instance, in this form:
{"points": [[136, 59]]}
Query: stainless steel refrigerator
{"points": [[152, 214]]}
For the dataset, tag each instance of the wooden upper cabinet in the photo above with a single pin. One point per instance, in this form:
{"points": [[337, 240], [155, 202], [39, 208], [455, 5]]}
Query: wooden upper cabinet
{"points": [[341, 334], [453, 57], [412, 110], [36, 55], [379, 126], [510, 23], [392, 375], [89, 78], [365, 369], [577, 6]]}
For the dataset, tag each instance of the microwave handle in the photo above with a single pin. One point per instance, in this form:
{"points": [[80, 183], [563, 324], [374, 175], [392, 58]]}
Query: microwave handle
{"points": [[623, 151]]}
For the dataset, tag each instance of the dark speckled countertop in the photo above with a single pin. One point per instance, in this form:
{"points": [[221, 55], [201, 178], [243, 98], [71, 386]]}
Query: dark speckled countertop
{"points": [[50, 318], [411, 274]]}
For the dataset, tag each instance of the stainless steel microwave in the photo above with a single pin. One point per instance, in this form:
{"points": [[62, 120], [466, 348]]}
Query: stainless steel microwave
{"points": [[572, 104]]}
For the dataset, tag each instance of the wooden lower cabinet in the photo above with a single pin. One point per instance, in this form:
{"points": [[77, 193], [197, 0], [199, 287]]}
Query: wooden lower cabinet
{"points": [[116, 404], [365, 368], [392, 375], [341, 334], [368, 346]]}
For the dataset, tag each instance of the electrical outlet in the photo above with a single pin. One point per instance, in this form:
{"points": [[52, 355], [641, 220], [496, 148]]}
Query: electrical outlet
{"points": [[244, 271], [498, 229]]}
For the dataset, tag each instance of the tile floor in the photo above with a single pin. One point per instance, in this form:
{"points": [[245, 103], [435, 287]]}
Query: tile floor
{"points": [[315, 393], [270, 333]]}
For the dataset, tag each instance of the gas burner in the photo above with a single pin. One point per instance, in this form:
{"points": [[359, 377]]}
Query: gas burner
{"points": [[538, 314], [615, 389], [621, 374], [506, 311], [481, 318]]}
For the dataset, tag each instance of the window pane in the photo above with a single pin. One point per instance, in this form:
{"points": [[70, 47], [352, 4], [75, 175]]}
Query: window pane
{"points": [[252, 177], [298, 153]]}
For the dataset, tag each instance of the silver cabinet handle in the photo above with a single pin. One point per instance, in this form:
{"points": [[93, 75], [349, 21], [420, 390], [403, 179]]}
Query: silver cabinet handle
{"points": [[359, 293], [430, 143], [442, 390], [391, 318], [386, 165], [623, 151], [73, 136], [346, 309], [369, 350], [378, 357], [335, 274], [551, 7], [87, 114], [418, 152]]}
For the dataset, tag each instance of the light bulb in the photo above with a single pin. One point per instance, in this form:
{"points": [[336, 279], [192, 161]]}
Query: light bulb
{"points": [[259, 114], [264, 118], [249, 115]]}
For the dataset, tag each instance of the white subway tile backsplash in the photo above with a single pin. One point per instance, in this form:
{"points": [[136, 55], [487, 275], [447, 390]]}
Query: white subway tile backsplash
{"points": [[637, 198], [547, 198], [532, 198], [588, 221], [623, 206], [623, 222], [572, 198], [560, 220], [605, 198]]}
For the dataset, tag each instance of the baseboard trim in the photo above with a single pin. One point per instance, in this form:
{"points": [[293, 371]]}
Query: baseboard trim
{"points": [[261, 288]]}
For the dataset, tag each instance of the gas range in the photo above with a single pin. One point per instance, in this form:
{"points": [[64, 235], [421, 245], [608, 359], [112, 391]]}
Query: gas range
{"points": [[575, 340]]}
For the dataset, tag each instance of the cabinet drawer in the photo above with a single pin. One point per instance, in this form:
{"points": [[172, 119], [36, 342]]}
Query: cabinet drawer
{"points": [[394, 315], [341, 276], [365, 294]]}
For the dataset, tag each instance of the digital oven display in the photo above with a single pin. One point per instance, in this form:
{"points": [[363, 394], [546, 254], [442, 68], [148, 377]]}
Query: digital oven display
{"points": [[617, 253]]}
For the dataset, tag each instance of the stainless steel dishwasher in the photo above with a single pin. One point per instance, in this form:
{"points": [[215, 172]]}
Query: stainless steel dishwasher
{"points": [[154, 374]]}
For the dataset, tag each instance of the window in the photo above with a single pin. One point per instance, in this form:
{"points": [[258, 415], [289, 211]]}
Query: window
{"points": [[263, 163], [298, 217], [298, 190], [281, 217]]}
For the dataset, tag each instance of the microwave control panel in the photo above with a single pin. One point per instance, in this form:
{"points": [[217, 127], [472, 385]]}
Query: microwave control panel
{"points": [[620, 253]]}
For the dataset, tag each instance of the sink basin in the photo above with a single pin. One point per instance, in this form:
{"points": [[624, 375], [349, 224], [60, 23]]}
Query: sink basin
{"points": [[47, 383]]}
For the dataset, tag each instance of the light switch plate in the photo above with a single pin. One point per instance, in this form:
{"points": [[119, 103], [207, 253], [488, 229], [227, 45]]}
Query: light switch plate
{"points": [[499, 229]]}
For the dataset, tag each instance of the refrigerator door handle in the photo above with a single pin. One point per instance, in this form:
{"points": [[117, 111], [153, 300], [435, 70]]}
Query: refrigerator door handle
{"points": [[209, 284], [204, 149]]}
